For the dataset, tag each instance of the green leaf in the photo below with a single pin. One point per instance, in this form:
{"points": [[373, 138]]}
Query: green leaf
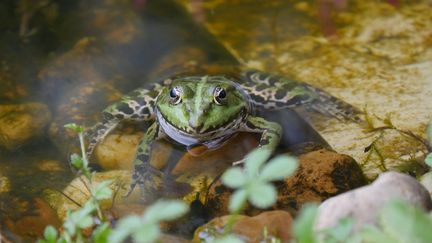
{"points": [[255, 159], [75, 127], [101, 233], [233, 177], [262, 195], [406, 223], [76, 161], [304, 224], [165, 210], [371, 234], [50, 234], [80, 219], [341, 231], [228, 239], [125, 227], [237, 200], [102, 190], [146, 233], [428, 160], [278, 168]]}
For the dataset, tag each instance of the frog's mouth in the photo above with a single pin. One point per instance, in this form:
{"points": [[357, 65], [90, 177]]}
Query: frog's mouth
{"points": [[190, 137]]}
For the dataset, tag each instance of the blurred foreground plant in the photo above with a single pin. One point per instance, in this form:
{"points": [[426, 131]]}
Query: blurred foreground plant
{"points": [[253, 184], [144, 228], [398, 222]]}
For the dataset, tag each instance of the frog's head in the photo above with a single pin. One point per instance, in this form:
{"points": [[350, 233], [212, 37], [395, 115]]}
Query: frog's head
{"points": [[201, 104]]}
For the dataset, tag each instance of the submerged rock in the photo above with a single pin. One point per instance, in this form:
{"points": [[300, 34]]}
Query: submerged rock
{"points": [[321, 174], [21, 123], [76, 193], [364, 204], [277, 224], [5, 184], [117, 151], [33, 225]]}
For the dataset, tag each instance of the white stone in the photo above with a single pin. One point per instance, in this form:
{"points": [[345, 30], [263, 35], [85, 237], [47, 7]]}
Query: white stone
{"points": [[365, 203]]}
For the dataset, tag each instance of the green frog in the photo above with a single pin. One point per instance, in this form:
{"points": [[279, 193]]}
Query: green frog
{"points": [[206, 110]]}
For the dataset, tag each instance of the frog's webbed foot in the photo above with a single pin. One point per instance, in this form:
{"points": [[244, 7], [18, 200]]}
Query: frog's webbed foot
{"points": [[154, 183], [148, 179]]}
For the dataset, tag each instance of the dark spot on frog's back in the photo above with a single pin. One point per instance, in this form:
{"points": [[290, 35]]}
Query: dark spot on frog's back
{"points": [[280, 94], [298, 99], [125, 108], [258, 98]]}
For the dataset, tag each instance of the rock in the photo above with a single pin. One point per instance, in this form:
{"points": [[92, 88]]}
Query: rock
{"points": [[33, 225], [117, 151], [48, 165], [21, 123], [5, 184], [78, 192], [250, 229], [10, 88], [364, 204], [426, 181], [321, 174]]}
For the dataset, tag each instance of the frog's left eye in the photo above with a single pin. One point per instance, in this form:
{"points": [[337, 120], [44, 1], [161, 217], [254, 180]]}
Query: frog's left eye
{"points": [[219, 95], [175, 95]]}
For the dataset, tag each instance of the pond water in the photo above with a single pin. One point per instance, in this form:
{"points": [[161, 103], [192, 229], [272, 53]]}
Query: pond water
{"points": [[65, 61]]}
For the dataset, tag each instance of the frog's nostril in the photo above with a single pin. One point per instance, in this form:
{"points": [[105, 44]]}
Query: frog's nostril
{"points": [[195, 125]]}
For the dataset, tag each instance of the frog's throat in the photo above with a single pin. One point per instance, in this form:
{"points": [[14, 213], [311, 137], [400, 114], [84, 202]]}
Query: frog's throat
{"points": [[189, 138]]}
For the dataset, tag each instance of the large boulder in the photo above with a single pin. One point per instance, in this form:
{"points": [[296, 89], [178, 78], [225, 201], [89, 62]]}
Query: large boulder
{"points": [[321, 174], [22, 123], [364, 204]]}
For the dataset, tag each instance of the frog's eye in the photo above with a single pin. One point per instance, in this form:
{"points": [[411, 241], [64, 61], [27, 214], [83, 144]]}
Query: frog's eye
{"points": [[175, 95], [219, 95]]}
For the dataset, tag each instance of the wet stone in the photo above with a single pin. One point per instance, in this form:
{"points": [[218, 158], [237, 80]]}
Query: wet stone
{"points": [[250, 229], [117, 151], [365, 203], [5, 184], [426, 181], [22, 123], [321, 174], [33, 225], [78, 192]]}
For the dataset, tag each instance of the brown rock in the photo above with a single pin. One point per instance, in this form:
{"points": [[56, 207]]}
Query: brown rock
{"points": [[77, 192], [251, 229], [321, 174], [34, 225], [20, 123]]}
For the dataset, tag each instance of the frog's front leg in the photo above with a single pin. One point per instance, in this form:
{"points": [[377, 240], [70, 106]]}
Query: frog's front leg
{"points": [[146, 176], [271, 132], [137, 106]]}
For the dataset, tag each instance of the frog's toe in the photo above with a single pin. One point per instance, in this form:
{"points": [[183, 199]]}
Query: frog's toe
{"points": [[238, 162], [148, 179]]}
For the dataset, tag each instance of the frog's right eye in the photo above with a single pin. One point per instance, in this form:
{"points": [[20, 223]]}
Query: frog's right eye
{"points": [[175, 95]]}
